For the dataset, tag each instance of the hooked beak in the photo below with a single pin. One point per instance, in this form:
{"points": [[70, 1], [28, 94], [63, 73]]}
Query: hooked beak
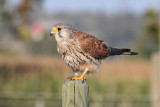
{"points": [[53, 32]]}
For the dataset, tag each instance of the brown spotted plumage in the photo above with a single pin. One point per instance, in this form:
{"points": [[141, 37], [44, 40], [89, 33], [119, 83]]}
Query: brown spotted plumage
{"points": [[83, 52], [91, 45]]}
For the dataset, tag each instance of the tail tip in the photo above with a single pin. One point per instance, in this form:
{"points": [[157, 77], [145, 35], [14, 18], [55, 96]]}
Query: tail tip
{"points": [[134, 53], [129, 53]]}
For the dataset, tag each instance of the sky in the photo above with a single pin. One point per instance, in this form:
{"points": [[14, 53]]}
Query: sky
{"points": [[109, 6]]}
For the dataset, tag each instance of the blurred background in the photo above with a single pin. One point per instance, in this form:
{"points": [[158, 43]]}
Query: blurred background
{"points": [[32, 73]]}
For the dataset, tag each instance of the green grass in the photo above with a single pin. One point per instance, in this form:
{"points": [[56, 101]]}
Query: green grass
{"points": [[45, 82], [32, 79]]}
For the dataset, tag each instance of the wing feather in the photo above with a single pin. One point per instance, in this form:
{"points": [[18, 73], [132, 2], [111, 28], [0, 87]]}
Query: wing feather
{"points": [[91, 45]]}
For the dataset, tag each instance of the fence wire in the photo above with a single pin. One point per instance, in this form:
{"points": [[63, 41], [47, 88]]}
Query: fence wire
{"points": [[40, 99]]}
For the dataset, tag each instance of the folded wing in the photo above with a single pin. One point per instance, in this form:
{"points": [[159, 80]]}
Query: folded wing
{"points": [[91, 45]]}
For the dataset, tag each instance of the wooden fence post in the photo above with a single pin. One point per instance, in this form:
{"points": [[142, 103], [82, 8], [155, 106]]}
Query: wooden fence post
{"points": [[75, 94], [155, 81]]}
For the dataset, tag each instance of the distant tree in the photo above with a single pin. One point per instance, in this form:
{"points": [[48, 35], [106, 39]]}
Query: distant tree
{"points": [[5, 17], [151, 28], [17, 20], [147, 43]]}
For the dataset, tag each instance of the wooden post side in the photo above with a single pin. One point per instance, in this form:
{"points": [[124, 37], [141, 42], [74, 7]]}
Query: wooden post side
{"points": [[68, 94], [75, 94], [155, 82]]}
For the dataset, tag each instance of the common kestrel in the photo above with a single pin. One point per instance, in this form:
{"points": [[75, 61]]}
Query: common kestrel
{"points": [[83, 52]]}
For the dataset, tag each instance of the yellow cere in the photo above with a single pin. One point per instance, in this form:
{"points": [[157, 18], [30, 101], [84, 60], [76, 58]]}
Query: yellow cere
{"points": [[54, 31]]}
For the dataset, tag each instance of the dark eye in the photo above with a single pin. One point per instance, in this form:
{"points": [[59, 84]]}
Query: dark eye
{"points": [[59, 29]]}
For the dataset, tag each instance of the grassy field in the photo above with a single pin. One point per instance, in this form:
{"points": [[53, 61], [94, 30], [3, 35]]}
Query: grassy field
{"points": [[49, 71], [47, 74]]}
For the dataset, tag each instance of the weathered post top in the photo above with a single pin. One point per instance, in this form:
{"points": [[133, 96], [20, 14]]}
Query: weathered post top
{"points": [[75, 93]]}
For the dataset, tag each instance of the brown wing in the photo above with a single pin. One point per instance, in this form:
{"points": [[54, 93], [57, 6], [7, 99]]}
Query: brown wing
{"points": [[91, 45]]}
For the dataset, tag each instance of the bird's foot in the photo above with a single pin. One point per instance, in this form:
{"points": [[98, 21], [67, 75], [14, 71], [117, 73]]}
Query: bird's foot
{"points": [[76, 78], [79, 78]]}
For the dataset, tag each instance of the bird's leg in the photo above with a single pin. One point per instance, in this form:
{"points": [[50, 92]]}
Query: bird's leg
{"points": [[79, 78], [82, 76]]}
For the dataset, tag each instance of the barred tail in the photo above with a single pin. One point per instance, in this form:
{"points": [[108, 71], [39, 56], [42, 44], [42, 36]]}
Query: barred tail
{"points": [[123, 51]]}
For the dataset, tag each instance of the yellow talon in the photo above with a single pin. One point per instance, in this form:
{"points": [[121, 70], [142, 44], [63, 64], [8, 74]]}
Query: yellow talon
{"points": [[76, 78], [79, 78]]}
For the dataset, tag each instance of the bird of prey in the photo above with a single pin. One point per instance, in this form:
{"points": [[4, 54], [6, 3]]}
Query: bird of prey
{"points": [[83, 52]]}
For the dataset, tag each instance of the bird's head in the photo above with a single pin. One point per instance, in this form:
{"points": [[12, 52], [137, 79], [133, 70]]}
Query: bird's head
{"points": [[62, 31]]}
